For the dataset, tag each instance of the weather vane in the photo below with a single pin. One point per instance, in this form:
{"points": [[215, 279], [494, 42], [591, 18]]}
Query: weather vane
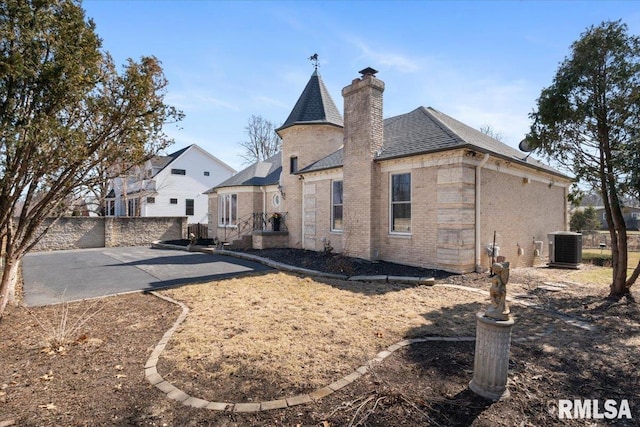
{"points": [[314, 58]]}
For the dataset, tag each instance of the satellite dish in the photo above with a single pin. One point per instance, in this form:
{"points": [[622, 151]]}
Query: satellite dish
{"points": [[524, 146]]}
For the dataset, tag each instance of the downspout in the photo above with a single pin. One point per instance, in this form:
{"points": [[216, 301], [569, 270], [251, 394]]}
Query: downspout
{"points": [[302, 214], [478, 206], [264, 200]]}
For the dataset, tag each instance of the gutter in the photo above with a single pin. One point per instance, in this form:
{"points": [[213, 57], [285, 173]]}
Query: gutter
{"points": [[478, 206]]}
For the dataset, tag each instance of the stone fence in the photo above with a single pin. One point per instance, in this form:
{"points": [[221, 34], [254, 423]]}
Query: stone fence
{"points": [[101, 232]]}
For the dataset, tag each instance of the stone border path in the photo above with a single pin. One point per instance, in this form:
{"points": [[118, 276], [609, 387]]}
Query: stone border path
{"points": [[174, 393]]}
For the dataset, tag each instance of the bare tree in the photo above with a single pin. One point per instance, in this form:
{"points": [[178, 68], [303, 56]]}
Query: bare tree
{"points": [[488, 130], [263, 141]]}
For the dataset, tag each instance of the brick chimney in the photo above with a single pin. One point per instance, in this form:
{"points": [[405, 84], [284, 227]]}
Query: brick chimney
{"points": [[363, 138]]}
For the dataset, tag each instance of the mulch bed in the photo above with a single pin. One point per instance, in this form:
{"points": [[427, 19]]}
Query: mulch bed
{"points": [[332, 262], [340, 264]]}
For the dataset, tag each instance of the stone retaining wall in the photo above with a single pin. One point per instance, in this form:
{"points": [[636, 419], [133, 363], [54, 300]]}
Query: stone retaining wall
{"points": [[100, 232], [270, 239]]}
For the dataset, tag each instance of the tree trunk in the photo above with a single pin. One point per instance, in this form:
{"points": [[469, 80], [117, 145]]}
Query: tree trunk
{"points": [[634, 276], [9, 277], [8, 283], [619, 284]]}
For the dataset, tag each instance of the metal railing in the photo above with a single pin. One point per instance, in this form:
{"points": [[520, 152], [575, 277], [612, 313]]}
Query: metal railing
{"points": [[257, 221]]}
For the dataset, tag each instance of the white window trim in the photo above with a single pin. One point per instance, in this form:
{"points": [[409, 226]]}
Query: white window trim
{"points": [[221, 210], [391, 231], [336, 230], [110, 207], [275, 200]]}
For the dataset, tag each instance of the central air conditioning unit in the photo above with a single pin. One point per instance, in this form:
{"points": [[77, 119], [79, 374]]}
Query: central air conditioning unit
{"points": [[565, 249]]}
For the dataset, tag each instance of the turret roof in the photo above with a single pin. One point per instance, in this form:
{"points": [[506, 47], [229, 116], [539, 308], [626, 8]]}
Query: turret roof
{"points": [[314, 106]]}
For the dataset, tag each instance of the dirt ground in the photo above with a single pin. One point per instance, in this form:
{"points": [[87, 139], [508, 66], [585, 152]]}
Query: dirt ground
{"points": [[276, 335]]}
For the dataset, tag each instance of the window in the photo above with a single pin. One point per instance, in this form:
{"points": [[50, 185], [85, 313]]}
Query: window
{"points": [[178, 172], [111, 208], [227, 210], [173, 201], [133, 207], [293, 164], [188, 207], [151, 200], [400, 203], [275, 200], [336, 205], [206, 173]]}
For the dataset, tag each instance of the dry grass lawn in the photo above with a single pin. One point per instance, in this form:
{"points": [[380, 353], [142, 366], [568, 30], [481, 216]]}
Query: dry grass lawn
{"points": [[276, 335], [602, 275], [304, 333]]}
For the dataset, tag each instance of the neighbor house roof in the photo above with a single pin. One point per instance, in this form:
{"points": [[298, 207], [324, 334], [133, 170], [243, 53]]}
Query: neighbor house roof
{"points": [[427, 130], [162, 162], [314, 106], [266, 172]]}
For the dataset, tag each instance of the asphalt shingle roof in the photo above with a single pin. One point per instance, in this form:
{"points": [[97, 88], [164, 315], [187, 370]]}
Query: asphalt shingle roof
{"points": [[427, 130], [162, 162], [333, 160], [314, 106], [266, 172]]}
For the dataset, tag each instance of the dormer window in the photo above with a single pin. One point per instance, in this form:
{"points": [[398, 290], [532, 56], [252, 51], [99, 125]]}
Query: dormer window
{"points": [[293, 164]]}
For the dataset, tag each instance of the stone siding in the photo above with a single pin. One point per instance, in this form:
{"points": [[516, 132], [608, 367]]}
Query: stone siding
{"points": [[317, 213], [270, 239], [100, 232], [519, 205], [363, 137], [455, 217], [420, 247], [520, 210], [251, 200], [213, 215], [308, 143]]}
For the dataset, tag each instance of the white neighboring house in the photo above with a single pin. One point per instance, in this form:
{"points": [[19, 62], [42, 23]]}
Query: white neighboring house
{"points": [[171, 185]]}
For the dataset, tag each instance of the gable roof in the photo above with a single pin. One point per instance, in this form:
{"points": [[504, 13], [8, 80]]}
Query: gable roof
{"points": [[427, 130], [266, 172], [314, 106], [161, 162]]}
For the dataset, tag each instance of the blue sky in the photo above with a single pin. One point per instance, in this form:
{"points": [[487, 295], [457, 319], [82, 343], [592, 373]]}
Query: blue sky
{"points": [[483, 63]]}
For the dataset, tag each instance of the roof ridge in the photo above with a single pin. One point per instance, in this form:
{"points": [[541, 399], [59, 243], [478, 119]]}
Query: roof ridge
{"points": [[445, 127]]}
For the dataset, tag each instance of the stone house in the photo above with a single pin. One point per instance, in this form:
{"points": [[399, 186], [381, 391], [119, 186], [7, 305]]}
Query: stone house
{"points": [[419, 189]]}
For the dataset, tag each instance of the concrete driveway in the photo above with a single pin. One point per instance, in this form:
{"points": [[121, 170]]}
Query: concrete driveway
{"points": [[51, 277]]}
